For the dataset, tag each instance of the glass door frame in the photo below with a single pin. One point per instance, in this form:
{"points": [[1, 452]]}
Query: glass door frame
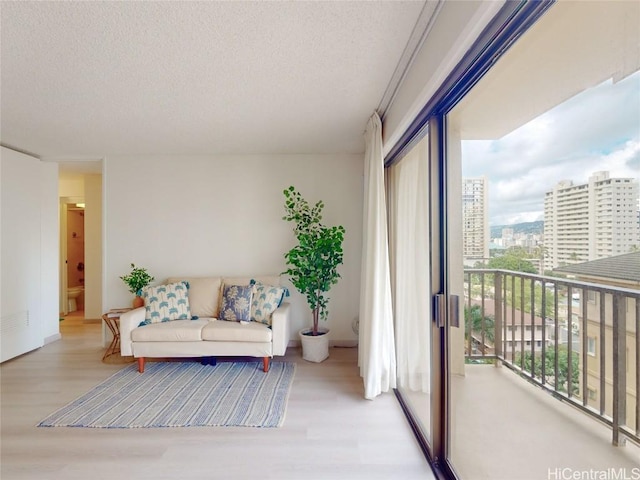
{"points": [[514, 18]]}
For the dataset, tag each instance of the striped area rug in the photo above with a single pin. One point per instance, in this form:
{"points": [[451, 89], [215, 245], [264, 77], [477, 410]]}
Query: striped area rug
{"points": [[183, 394]]}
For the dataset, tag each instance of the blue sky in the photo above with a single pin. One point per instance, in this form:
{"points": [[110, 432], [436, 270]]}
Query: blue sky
{"points": [[598, 129]]}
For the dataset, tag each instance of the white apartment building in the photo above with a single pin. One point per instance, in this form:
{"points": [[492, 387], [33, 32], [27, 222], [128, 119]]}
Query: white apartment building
{"points": [[594, 220], [475, 227]]}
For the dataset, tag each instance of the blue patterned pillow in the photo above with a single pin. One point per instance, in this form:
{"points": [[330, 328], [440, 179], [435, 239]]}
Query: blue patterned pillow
{"points": [[266, 298], [236, 303], [166, 302]]}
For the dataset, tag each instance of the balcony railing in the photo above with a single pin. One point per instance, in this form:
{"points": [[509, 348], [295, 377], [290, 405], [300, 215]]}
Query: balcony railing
{"points": [[579, 341]]}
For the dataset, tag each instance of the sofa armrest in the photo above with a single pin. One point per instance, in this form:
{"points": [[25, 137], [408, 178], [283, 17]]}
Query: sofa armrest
{"points": [[281, 328], [128, 321]]}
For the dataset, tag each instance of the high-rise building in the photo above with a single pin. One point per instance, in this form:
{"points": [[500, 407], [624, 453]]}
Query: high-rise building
{"points": [[475, 228], [594, 220]]}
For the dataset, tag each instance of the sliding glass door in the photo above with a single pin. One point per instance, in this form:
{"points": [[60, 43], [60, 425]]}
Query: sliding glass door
{"points": [[409, 243], [541, 163], [488, 340]]}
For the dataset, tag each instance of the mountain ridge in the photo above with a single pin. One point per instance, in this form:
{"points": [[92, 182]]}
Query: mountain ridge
{"points": [[536, 227]]}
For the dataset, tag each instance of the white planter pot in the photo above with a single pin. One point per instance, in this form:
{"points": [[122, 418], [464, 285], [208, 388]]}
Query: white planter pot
{"points": [[314, 349]]}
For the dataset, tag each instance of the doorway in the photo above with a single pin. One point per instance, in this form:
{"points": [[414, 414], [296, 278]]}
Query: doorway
{"points": [[72, 229], [80, 191]]}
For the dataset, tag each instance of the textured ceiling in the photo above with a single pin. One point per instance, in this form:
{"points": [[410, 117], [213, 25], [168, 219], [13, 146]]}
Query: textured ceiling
{"points": [[91, 79]]}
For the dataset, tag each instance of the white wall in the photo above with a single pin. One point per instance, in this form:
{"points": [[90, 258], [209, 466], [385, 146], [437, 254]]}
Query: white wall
{"points": [[20, 321], [93, 246], [29, 295], [71, 185], [222, 215], [1, 243], [50, 250]]}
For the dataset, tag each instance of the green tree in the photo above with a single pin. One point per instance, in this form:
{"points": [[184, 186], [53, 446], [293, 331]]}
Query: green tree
{"points": [[476, 323], [514, 259], [541, 251], [313, 263], [549, 367], [523, 289]]}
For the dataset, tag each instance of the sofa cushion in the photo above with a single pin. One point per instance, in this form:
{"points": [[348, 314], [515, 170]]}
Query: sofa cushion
{"points": [[236, 303], [175, 331], [266, 298], [165, 303], [236, 332], [266, 279], [204, 294]]}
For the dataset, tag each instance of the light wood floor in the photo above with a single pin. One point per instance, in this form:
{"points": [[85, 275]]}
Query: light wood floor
{"points": [[330, 431]]}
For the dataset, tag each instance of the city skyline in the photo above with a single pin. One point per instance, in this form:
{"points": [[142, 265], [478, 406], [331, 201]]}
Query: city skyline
{"points": [[596, 130]]}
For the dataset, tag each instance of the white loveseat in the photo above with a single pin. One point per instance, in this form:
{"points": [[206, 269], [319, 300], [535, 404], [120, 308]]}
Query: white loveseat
{"points": [[206, 336]]}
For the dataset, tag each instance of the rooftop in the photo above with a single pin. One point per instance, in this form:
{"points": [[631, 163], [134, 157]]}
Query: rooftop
{"points": [[620, 267]]}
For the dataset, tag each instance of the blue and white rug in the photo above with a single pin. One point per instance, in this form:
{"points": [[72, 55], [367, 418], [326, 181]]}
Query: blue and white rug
{"points": [[183, 394]]}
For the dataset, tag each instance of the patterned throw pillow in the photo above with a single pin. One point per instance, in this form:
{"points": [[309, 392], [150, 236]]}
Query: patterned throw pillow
{"points": [[166, 302], [236, 303], [266, 298]]}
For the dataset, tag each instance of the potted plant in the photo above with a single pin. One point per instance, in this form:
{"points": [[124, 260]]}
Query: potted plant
{"points": [[136, 280], [313, 266]]}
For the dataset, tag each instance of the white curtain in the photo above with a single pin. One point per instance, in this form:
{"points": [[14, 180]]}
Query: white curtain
{"points": [[408, 183], [376, 354]]}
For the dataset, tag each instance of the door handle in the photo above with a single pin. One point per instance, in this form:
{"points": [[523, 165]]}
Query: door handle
{"points": [[440, 312], [454, 309]]}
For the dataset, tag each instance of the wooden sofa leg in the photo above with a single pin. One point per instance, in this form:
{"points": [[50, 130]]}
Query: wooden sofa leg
{"points": [[141, 364], [265, 364]]}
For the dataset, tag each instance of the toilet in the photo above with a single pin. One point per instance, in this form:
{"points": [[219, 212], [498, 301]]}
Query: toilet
{"points": [[73, 293]]}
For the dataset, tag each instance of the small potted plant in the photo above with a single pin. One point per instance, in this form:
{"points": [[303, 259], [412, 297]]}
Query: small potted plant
{"points": [[136, 280], [313, 266]]}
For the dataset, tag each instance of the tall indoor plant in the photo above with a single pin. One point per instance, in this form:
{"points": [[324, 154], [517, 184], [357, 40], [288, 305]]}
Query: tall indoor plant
{"points": [[313, 262]]}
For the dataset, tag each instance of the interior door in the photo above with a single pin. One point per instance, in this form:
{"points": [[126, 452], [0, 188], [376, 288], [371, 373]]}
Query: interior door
{"points": [[20, 254]]}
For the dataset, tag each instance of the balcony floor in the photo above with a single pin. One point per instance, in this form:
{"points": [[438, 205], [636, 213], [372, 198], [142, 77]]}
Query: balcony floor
{"points": [[506, 428]]}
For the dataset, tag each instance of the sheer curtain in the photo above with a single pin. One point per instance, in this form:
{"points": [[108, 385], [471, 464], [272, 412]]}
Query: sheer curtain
{"points": [[376, 353], [408, 183]]}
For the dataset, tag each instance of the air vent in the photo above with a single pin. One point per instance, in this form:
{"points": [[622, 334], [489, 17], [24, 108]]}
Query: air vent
{"points": [[15, 321]]}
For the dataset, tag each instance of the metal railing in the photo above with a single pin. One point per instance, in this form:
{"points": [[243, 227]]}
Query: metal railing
{"points": [[579, 341]]}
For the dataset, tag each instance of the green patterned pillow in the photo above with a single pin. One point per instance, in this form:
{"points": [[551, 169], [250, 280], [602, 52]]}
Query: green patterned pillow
{"points": [[266, 298], [236, 303], [166, 302]]}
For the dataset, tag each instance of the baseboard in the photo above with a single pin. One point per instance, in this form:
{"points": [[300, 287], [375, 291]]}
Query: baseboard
{"points": [[52, 338], [92, 320]]}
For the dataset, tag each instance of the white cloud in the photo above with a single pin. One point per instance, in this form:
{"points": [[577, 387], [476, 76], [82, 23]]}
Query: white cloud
{"points": [[596, 130]]}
